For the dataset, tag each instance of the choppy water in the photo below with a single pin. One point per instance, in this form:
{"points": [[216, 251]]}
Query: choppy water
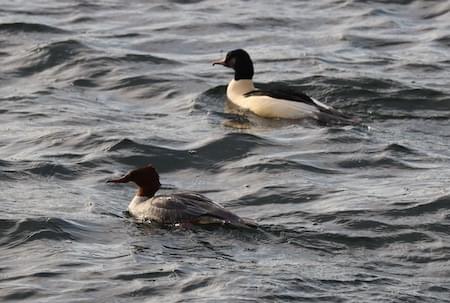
{"points": [[89, 90]]}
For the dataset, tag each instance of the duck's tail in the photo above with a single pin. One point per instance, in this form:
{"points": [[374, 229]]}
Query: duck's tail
{"points": [[247, 222], [329, 115], [335, 117]]}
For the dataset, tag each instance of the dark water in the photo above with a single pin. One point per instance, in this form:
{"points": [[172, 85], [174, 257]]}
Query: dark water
{"points": [[89, 90]]}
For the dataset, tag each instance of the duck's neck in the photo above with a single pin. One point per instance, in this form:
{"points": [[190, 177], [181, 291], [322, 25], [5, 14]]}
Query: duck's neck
{"points": [[140, 197], [243, 70], [239, 87], [137, 200], [147, 192], [137, 205]]}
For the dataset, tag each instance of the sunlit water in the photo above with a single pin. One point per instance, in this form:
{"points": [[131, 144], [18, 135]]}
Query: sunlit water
{"points": [[90, 90]]}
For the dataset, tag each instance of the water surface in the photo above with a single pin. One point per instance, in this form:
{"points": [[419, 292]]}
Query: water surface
{"points": [[347, 213]]}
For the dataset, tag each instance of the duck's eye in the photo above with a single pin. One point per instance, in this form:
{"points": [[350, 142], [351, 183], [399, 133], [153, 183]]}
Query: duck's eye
{"points": [[231, 61]]}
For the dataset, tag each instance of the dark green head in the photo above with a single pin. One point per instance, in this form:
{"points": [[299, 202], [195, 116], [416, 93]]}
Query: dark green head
{"points": [[240, 61]]}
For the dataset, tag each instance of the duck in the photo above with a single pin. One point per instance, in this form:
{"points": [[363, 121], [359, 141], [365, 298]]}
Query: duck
{"points": [[180, 208], [242, 92]]}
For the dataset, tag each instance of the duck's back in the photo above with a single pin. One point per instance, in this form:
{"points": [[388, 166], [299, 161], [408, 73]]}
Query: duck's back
{"points": [[182, 207]]}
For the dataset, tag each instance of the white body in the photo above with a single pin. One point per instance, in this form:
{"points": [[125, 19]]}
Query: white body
{"points": [[266, 106]]}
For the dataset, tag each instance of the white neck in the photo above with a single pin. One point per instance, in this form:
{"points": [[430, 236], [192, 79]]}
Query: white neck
{"points": [[137, 200], [236, 88], [138, 206]]}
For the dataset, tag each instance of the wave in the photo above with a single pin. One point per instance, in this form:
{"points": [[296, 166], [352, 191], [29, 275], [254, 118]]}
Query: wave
{"points": [[374, 42], [435, 11], [146, 276], [17, 27], [272, 195], [20, 232], [280, 165], [352, 233], [130, 82], [377, 162], [99, 70], [46, 170], [444, 40], [127, 58], [439, 204], [19, 170], [209, 155], [53, 54]]}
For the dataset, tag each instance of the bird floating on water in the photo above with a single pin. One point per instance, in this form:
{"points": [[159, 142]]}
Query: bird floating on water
{"points": [[270, 104], [176, 208]]}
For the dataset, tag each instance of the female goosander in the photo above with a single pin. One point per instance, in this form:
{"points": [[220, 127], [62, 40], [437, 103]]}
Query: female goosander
{"points": [[177, 208], [267, 104]]}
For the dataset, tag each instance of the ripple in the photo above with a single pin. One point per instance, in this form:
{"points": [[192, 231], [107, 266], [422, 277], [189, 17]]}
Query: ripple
{"points": [[277, 195], [148, 276], [440, 204], [210, 100], [144, 292], [147, 59], [195, 284], [372, 225], [129, 58], [216, 150], [41, 274], [444, 40], [210, 154], [437, 10], [136, 81], [19, 294], [18, 233], [30, 28], [136, 154], [85, 83], [399, 2], [374, 42], [426, 68], [51, 55], [401, 149], [281, 165], [378, 162], [374, 242], [47, 169]]}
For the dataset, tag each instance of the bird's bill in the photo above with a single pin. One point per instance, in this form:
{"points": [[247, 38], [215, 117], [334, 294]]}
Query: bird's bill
{"points": [[124, 179], [219, 62]]}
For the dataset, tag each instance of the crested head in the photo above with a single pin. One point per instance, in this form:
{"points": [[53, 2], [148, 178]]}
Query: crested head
{"points": [[240, 61], [146, 178]]}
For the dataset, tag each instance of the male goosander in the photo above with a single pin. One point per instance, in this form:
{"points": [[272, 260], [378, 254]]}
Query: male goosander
{"points": [[182, 207], [242, 92]]}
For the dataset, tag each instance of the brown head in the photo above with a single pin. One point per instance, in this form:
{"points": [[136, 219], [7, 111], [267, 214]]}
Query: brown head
{"points": [[145, 177]]}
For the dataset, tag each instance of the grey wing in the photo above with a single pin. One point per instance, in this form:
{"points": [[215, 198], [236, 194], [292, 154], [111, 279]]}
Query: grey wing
{"points": [[186, 207], [195, 201], [173, 209]]}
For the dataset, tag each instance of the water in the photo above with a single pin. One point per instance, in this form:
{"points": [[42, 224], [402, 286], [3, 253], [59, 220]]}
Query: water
{"points": [[89, 91]]}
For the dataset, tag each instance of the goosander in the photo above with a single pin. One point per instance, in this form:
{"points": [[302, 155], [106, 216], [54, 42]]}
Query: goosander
{"points": [[269, 104], [177, 208]]}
